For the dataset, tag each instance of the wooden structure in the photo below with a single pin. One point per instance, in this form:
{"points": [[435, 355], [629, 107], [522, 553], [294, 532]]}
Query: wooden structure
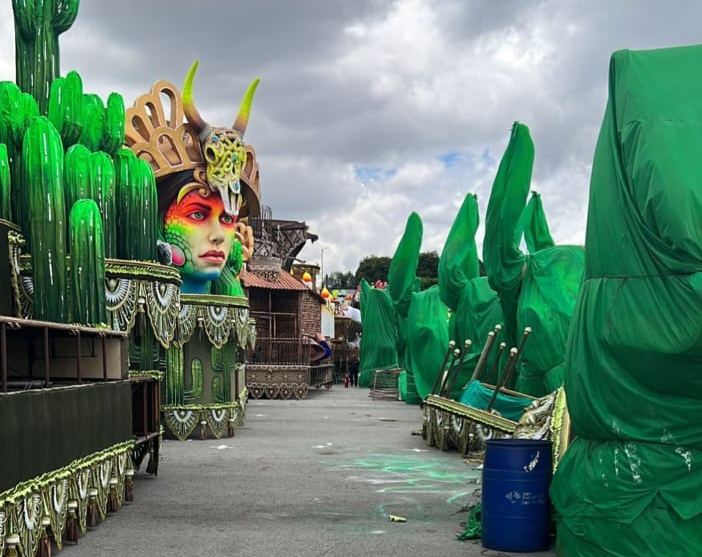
{"points": [[287, 315]]}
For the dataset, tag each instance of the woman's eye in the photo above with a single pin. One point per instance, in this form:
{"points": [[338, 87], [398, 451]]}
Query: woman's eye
{"points": [[226, 219], [197, 215]]}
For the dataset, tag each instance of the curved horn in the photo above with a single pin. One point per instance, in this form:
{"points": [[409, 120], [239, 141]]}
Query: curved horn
{"points": [[191, 112], [242, 118]]}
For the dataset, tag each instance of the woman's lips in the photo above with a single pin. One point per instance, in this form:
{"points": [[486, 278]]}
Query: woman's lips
{"points": [[213, 256]]}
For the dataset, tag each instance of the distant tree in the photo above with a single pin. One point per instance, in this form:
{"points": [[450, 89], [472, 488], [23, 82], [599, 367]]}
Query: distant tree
{"points": [[373, 268], [428, 268], [341, 281]]}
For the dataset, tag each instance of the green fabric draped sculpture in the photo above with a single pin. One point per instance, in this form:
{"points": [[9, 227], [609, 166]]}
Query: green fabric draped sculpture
{"points": [[629, 482]]}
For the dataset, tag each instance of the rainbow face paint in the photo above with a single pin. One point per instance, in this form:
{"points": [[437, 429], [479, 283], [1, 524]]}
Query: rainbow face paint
{"points": [[201, 235]]}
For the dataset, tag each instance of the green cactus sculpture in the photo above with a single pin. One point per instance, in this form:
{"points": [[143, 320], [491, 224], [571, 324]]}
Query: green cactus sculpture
{"points": [[223, 365], [174, 374], [93, 115], [102, 173], [42, 167], [77, 175], [137, 207], [38, 24], [87, 264], [5, 184], [113, 137], [197, 386], [66, 107], [17, 109]]}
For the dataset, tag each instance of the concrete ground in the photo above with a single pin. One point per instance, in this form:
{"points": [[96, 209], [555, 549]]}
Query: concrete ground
{"points": [[313, 477]]}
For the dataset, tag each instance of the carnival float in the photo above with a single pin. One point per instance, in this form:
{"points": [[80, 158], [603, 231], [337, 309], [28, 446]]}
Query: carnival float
{"points": [[123, 233]]}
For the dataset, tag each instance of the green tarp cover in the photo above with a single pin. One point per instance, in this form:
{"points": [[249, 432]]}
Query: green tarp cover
{"points": [[474, 305], [379, 340], [502, 256], [427, 339], [629, 484], [537, 235], [477, 314], [479, 396], [402, 278], [552, 279], [459, 259], [407, 391], [536, 290]]}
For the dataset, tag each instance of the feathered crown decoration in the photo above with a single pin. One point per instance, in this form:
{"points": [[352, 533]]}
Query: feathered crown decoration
{"points": [[157, 131]]}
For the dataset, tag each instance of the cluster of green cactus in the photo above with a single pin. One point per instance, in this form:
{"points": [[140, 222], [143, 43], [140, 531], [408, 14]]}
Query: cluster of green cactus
{"points": [[92, 176], [137, 207], [38, 24], [73, 153], [83, 117], [87, 263]]}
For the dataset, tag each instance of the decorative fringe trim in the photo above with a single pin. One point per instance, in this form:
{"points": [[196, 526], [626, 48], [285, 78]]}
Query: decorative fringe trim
{"points": [[55, 506], [112, 503], [217, 419], [44, 547], [129, 487], [72, 527]]}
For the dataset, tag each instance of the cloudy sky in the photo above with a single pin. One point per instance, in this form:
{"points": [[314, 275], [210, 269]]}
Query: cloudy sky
{"points": [[371, 109]]}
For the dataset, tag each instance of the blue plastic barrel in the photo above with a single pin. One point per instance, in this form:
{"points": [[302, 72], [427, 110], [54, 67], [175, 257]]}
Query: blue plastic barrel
{"points": [[515, 504]]}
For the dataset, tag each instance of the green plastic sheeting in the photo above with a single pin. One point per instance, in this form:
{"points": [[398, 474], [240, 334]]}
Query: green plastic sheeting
{"points": [[402, 278], [407, 391], [539, 289], [477, 314], [475, 308], [379, 340], [537, 235], [502, 256], [552, 279], [427, 339], [458, 262], [629, 482]]}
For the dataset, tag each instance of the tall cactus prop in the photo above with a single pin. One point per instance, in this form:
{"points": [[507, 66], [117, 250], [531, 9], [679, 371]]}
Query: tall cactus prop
{"points": [[5, 184], [93, 114], [137, 207], [38, 24], [66, 107], [87, 263], [102, 175], [42, 164], [17, 109], [113, 137], [76, 175]]}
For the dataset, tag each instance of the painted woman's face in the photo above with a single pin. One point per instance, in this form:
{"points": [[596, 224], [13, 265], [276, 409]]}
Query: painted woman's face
{"points": [[201, 235]]}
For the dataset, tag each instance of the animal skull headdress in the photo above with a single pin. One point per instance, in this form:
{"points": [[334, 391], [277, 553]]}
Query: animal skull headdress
{"points": [[222, 148]]}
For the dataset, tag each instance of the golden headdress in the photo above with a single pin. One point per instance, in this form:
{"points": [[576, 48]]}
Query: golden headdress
{"points": [[157, 131]]}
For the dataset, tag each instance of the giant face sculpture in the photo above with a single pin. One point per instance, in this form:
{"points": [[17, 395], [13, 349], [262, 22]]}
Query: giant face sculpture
{"points": [[207, 181], [201, 235]]}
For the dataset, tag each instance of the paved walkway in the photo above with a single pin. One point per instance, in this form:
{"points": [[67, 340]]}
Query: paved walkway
{"points": [[313, 477]]}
